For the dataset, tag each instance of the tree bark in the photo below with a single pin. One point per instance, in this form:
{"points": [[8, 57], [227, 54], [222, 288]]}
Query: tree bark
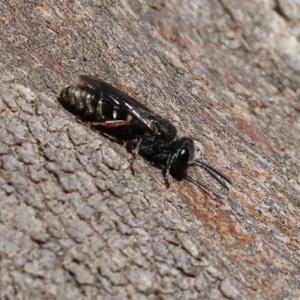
{"points": [[76, 224]]}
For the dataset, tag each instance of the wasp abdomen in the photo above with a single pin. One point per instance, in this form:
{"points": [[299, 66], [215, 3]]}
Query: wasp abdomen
{"points": [[90, 105]]}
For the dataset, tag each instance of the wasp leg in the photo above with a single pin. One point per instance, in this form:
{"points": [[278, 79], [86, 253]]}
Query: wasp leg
{"points": [[111, 124], [161, 158], [134, 153], [166, 174], [164, 158]]}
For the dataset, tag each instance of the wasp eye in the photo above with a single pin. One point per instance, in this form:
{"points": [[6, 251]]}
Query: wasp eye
{"points": [[180, 164]]}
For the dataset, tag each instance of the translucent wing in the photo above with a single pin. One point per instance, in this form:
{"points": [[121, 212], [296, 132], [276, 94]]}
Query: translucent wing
{"points": [[120, 99]]}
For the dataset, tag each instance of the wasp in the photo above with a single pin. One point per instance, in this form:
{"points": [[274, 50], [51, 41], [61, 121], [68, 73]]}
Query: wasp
{"points": [[144, 132]]}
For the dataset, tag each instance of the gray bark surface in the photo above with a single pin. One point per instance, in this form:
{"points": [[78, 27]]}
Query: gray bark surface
{"points": [[76, 224]]}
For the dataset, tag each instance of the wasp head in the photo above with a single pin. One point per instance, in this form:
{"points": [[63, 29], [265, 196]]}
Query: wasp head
{"points": [[181, 156]]}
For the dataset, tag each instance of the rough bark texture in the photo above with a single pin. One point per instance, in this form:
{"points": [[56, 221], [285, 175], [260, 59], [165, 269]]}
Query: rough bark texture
{"points": [[75, 223]]}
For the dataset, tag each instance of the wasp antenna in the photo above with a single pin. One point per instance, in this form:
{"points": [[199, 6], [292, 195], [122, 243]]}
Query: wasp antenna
{"points": [[196, 183], [212, 172]]}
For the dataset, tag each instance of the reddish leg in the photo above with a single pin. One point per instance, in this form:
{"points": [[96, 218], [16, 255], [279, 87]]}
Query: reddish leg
{"points": [[111, 124], [166, 179], [134, 153]]}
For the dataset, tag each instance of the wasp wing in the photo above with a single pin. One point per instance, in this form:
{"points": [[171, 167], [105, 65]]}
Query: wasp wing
{"points": [[120, 99]]}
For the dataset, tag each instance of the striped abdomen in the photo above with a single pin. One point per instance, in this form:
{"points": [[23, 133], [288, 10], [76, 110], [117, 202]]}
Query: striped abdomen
{"points": [[89, 104]]}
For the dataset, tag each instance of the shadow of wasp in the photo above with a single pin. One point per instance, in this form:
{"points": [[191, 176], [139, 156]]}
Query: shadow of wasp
{"points": [[144, 132]]}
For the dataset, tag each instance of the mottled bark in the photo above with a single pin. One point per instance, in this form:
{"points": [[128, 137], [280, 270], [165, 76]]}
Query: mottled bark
{"points": [[76, 224]]}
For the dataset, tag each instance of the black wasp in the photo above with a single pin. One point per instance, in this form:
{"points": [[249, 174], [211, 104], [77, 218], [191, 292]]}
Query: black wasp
{"points": [[144, 132]]}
